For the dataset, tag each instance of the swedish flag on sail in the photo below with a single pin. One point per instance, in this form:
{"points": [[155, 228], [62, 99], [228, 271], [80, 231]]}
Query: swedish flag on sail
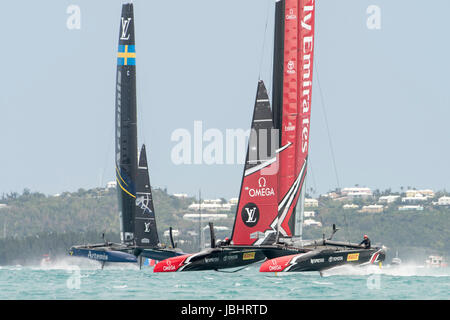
{"points": [[126, 55]]}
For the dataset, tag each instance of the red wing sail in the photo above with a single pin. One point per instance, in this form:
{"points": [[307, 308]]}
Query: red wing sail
{"points": [[257, 210], [296, 106]]}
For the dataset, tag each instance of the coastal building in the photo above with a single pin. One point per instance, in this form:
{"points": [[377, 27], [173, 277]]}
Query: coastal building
{"points": [[422, 193], [350, 206], [111, 185], [233, 201], [312, 222], [311, 203], [180, 195], [309, 214], [388, 199], [444, 201], [410, 208], [418, 198], [210, 205], [175, 233], [332, 195], [373, 208], [3, 205], [205, 216], [356, 193]]}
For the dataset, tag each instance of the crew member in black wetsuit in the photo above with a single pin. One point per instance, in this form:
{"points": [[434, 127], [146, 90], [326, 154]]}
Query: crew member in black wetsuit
{"points": [[366, 242]]}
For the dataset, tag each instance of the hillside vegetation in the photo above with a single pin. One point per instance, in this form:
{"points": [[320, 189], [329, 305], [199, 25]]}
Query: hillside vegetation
{"points": [[33, 224]]}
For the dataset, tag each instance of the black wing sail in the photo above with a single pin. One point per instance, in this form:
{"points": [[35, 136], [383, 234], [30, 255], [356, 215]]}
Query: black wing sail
{"points": [[126, 132], [146, 234]]}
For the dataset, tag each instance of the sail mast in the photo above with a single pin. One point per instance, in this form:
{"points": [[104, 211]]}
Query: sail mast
{"points": [[126, 131]]}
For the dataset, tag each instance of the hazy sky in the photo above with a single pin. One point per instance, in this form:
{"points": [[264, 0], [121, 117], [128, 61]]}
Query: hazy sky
{"points": [[385, 91]]}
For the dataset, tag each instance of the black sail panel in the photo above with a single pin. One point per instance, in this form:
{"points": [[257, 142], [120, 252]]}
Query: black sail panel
{"points": [[126, 132], [146, 234]]}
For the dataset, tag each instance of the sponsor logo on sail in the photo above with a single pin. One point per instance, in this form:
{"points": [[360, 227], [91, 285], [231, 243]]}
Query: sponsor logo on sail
{"points": [[143, 202], [319, 260], [262, 191], [353, 257], [289, 127], [291, 15], [248, 255], [291, 67], [147, 227], [250, 215], [125, 25], [145, 240], [306, 79]]}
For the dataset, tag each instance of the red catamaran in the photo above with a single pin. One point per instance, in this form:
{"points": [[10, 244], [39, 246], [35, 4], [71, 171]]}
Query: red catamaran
{"points": [[268, 220]]}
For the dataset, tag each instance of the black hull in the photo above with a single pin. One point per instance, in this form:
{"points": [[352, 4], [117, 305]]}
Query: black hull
{"points": [[228, 257], [321, 259]]}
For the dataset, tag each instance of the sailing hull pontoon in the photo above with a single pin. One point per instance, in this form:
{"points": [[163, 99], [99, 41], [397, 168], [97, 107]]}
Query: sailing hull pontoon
{"points": [[227, 257], [138, 232], [320, 258], [104, 253]]}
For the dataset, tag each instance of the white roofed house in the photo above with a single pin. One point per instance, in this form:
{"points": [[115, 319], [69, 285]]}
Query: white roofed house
{"points": [[410, 208], [210, 205], [349, 206], [357, 193], [417, 199], [311, 203], [180, 195], [309, 214], [444, 201], [111, 184], [311, 222], [388, 199], [423, 193], [373, 208]]}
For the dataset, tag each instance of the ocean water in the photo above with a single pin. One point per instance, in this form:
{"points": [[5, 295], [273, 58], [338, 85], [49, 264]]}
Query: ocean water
{"points": [[80, 279]]}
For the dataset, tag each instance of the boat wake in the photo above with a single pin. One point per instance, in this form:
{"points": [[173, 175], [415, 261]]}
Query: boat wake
{"points": [[405, 270], [70, 263]]}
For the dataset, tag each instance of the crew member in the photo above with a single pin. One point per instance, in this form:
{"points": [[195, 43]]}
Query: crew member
{"points": [[366, 242]]}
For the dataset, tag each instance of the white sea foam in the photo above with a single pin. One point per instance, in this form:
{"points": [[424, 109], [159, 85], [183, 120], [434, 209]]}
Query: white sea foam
{"points": [[404, 270]]}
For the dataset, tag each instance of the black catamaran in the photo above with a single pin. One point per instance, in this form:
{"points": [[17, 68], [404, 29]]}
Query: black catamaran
{"points": [[138, 232], [269, 217]]}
